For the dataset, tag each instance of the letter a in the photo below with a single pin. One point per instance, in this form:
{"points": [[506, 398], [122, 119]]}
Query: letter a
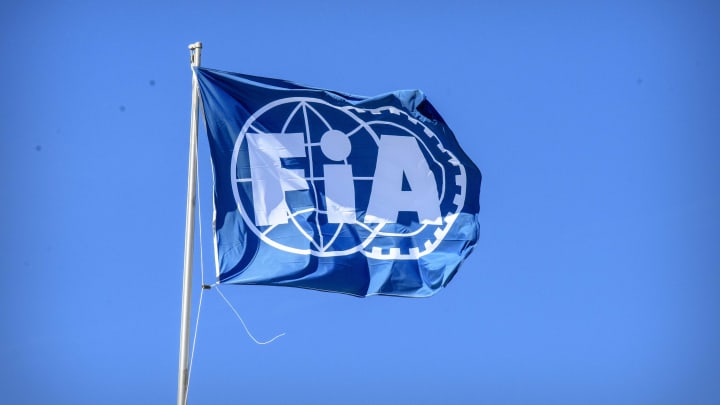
{"points": [[398, 156]]}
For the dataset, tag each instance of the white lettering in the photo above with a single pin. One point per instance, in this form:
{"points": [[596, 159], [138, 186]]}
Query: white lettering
{"points": [[339, 194], [400, 156], [270, 180]]}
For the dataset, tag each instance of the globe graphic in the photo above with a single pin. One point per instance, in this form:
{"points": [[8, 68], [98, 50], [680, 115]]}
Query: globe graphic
{"points": [[346, 136]]}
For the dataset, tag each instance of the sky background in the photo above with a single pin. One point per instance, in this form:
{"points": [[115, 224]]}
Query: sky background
{"points": [[596, 279]]}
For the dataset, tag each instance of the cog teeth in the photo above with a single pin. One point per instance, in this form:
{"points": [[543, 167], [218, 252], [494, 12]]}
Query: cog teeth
{"points": [[459, 178], [394, 253]]}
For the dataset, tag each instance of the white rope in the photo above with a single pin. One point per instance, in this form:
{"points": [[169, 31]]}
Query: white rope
{"points": [[243, 322], [192, 351], [202, 274], [202, 291]]}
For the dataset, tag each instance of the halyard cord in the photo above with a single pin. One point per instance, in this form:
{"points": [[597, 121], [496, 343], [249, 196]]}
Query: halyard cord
{"points": [[204, 286], [192, 352], [243, 322], [202, 275]]}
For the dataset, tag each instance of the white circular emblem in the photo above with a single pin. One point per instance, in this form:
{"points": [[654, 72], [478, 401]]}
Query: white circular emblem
{"points": [[327, 144]]}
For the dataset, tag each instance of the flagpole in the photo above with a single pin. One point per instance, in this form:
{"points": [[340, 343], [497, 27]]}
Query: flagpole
{"points": [[189, 234]]}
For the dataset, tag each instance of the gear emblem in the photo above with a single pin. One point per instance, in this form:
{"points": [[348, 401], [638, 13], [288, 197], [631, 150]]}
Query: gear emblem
{"points": [[308, 179]]}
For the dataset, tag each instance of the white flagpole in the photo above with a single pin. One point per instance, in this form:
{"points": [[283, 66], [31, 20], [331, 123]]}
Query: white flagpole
{"points": [[189, 234]]}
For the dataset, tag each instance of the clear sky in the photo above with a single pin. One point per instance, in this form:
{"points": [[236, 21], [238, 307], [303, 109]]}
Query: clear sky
{"points": [[596, 279]]}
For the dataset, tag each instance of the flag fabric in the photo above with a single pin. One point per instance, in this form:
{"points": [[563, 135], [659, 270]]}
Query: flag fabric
{"points": [[323, 190]]}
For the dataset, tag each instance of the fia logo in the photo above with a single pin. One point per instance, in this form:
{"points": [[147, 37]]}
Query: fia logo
{"points": [[314, 178]]}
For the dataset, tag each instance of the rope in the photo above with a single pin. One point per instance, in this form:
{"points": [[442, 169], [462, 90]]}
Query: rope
{"points": [[204, 287], [202, 274], [192, 351], [243, 322]]}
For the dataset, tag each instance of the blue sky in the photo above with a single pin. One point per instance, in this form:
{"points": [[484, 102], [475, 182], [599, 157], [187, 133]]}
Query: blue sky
{"points": [[596, 278]]}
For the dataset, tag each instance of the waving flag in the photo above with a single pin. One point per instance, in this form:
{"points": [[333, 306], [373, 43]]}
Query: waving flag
{"points": [[323, 190]]}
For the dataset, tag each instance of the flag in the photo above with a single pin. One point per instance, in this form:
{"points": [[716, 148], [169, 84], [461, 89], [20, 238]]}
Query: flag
{"points": [[323, 190]]}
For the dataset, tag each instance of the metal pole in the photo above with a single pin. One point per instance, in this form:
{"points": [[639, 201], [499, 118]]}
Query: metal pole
{"points": [[189, 234]]}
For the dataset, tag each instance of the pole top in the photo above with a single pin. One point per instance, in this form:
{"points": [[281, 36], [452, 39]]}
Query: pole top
{"points": [[195, 53]]}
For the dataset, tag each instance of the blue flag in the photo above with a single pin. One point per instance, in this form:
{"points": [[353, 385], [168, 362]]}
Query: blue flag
{"points": [[318, 189]]}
